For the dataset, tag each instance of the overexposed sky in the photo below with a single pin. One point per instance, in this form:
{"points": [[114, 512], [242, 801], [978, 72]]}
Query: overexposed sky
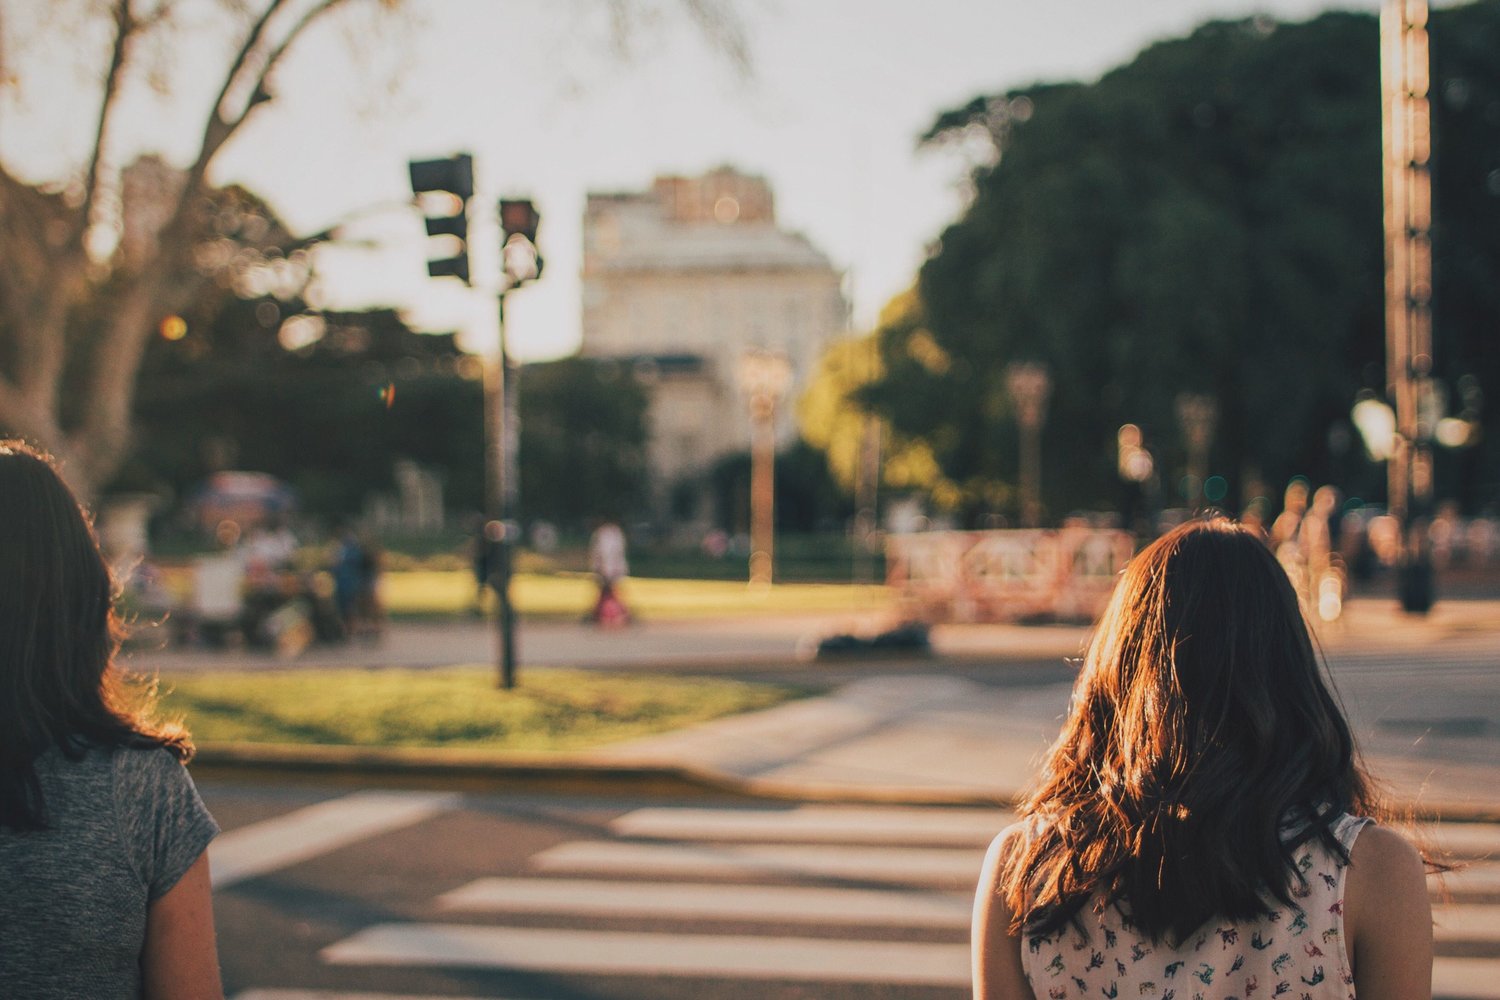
{"points": [[839, 91]]}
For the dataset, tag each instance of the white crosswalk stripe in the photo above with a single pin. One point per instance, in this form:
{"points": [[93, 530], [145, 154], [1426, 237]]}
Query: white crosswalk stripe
{"points": [[345, 995], [264, 847], [899, 865], [817, 824], [630, 953], [758, 872], [732, 884], [699, 901], [1450, 659]]}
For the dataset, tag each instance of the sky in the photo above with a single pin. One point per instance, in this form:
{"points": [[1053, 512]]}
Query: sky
{"points": [[837, 94]]}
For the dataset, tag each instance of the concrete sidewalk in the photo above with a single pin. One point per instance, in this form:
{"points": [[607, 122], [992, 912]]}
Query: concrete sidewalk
{"points": [[896, 734]]}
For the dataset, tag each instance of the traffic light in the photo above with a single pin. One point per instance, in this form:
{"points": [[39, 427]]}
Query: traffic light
{"points": [[453, 176], [519, 219]]}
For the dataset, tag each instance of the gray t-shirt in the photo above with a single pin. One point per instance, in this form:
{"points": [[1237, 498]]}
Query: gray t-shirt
{"points": [[123, 827]]}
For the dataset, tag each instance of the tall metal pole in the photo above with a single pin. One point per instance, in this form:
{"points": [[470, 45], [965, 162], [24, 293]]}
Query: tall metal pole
{"points": [[1197, 414], [867, 494], [764, 378], [762, 488], [500, 380], [1406, 120], [1029, 385]]}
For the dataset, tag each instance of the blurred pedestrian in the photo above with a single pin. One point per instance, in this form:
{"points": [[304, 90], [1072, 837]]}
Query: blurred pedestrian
{"points": [[608, 563], [356, 584], [1203, 817], [484, 542], [103, 871]]}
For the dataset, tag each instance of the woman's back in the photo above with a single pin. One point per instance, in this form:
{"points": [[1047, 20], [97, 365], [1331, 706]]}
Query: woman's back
{"points": [[1297, 952], [1201, 725], [123, 826]]}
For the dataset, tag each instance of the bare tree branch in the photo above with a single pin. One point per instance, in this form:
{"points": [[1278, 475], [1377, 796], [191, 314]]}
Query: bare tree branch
{"points": [[102, 436], [125, 29]]}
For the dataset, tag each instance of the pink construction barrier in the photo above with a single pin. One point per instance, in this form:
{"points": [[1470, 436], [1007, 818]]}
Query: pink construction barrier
{"points": [[1000, 576]]}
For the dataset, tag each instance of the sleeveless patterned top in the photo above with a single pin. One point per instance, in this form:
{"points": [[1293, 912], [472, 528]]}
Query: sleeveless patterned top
{"points": [[1290, 954]]}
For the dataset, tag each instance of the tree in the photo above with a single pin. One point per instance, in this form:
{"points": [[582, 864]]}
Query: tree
{"points": [[90, 270], [324, 401], [583, 441], [835, 411], [1205, 219]]}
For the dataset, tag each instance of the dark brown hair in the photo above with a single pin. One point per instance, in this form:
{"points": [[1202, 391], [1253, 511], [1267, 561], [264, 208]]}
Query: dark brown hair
{"points": [[58, 638], [1202, 747]]}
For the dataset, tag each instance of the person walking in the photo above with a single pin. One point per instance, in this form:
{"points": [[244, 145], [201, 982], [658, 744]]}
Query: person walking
{"points": [[104, 881], [608, 563], [1203, 828], [356, 584]]}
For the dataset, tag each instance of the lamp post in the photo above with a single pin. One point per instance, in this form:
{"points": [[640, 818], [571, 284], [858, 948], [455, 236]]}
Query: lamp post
{"points": [[1406, 129], [1135, 466], [1029, 386], [765, 377], [1197, 414]]}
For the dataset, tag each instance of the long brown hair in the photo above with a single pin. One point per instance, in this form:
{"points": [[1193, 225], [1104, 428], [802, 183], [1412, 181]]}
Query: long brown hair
{"points": [[59, 634], [1202, 747]]}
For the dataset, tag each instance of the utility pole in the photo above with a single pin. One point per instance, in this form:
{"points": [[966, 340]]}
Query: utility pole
{"points": [[1407, 135]]}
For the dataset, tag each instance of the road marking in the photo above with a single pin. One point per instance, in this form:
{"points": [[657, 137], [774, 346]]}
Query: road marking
{"points": [[877, 864], [287, 840], [344, 995], [1479, 878], [1466, 840], [613, 953], [1465, 979], [948, 827], [1466, 922], [696, 901]]}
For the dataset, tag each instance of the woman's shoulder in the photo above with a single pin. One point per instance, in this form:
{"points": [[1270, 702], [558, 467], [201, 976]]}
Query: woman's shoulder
{"points": [[1378, 851], [1010, 841], [145, 763], [1012, 838]]}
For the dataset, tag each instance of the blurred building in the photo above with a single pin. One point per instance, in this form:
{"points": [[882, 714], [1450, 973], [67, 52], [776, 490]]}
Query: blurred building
{"points": [[681, 281]]}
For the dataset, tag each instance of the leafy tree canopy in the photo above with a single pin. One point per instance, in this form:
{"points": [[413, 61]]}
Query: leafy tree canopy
{"points": [[1207, 220]]}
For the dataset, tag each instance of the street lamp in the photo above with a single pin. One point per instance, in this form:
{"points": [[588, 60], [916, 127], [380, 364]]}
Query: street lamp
{"points": [[765, 377], [1376, 423], [1029, 386], [1135, 466], [1197, 414]]}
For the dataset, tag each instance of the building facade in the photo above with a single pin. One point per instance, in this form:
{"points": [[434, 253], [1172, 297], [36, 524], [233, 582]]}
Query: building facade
{"points": [[682, 281]]}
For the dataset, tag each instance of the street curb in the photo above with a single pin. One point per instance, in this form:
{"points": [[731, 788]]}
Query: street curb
{"points": [[583, 773]]}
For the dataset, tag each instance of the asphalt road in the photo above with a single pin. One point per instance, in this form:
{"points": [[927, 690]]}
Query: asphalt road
{"points": [[332, 895], [564, 899]]}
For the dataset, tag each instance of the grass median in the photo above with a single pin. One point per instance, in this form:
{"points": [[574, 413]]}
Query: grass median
{"points": [[568, 596], [455, 707]]}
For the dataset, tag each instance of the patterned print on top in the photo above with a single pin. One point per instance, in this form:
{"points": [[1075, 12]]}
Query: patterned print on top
{"points": [[1296, 954]]}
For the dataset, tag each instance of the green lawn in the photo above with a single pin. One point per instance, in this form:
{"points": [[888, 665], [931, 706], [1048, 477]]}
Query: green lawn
{"points": [[457, 707], [428, 593]]}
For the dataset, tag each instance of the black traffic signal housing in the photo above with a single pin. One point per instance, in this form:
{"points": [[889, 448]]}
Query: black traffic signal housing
{"points": [[520, 219], [453, 176]]}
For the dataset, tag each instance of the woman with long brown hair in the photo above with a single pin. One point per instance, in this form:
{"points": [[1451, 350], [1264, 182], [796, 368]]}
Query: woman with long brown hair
{"points": [[104, 885], [1202, 828]]}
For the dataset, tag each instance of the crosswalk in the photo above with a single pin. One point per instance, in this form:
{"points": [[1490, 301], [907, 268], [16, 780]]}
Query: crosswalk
{"points": [[811, 894], [746, 881]]}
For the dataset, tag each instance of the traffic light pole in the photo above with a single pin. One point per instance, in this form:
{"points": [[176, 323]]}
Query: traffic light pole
{"points": [[505, 479], [453, 179]]}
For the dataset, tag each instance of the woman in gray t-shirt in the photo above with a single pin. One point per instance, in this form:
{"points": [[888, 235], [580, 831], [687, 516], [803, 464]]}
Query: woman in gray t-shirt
{"points": [[104, 887]]}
